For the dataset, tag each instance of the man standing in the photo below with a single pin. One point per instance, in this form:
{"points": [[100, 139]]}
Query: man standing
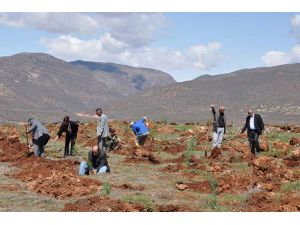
{"points": [[254, 125], [141, 130], [97, 162], [71, 129], [102, 129], [219, 126], [40, 137]]}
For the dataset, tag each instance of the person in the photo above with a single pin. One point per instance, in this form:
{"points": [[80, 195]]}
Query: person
{"points": [[254, 125], [97, 162], [112, 140], [102, 129], [141, 130], [71, 129], [40, 137], [219, 126]]}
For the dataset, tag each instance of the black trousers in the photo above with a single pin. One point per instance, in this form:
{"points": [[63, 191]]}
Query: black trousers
{"points": [[142, 139], [41, 142], [69, 145], [253, 138]]}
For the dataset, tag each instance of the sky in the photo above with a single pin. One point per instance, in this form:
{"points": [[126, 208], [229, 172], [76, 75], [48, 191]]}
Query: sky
{"points": [[185, 45]]}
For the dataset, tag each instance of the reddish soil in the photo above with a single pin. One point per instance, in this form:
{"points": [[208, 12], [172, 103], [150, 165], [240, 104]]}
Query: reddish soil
{"points": [[215, 153], [295, 141], [138, 155], [281, 146], [9, 187], [294, 159], [290, 128], [266, 202], [131, 187], [91, 142], [270, 173], [234, 183], [173, 168], [173, 148], [102, 204], [172, 208], [202, 187], [55, 178]]}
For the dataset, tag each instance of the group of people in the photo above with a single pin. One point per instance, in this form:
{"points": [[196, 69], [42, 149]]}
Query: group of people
{"points": [[107, 139], [97, 157], [254, 125]]}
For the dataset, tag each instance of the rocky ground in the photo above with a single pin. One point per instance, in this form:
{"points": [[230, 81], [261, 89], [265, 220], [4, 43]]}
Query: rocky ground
{"points": [[170, 173]]}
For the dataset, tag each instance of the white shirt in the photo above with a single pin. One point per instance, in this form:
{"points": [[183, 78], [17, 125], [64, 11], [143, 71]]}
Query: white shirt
{"points": [[251, 122]]}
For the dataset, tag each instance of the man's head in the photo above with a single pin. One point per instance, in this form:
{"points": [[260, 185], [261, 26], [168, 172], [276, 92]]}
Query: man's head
{"points": [[30, 121], [131, 124], [66, 120], [222, 109], [250, 112], [98, 111], [95, 150]]}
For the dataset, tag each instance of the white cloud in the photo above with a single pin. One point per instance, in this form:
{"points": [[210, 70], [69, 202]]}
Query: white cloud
{"points": [[134, 29], [108, 49], [295, 22], [275, 58], [112, 45], [205, 57], [72, 48], [63, 23], [114, 37]]}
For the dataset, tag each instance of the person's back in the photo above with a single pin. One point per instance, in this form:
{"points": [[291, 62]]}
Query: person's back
{"points": [[37, 129], [140, 127]]}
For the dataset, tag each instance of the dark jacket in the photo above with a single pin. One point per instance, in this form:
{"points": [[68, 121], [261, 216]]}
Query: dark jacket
{"points": [[98, 161], [220, 122], [71, 129], [258, 123]]}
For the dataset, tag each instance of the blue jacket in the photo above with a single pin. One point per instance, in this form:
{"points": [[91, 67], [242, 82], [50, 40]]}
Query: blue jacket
{"points": [[139, 127]]}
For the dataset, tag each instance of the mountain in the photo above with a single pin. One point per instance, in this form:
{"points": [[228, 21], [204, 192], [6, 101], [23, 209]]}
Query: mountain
{"points": [[273, 92], [130, 79], [43, 86], [36, 84]]}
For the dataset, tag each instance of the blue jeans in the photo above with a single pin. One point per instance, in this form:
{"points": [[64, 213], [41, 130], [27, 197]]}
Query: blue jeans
{"points": [[84, 167]]}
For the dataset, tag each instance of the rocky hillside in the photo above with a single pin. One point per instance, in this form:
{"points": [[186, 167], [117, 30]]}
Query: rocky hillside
{"points": [[274, 92]]}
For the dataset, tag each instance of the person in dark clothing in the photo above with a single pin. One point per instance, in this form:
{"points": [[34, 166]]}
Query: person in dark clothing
{"points": [[219, 126], [71, 129], [112, 140], [254, 126], [97, 162]]}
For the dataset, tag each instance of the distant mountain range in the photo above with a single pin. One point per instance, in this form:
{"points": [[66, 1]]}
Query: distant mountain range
{"points": [[273, 91], [41, 83], [46, 87]]}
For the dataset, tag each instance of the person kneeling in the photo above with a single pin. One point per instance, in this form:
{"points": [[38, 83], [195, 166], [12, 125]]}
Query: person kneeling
{"points": [[97, 163]]}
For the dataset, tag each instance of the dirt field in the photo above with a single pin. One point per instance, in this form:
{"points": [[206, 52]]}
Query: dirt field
{"points": [[170, 173]]}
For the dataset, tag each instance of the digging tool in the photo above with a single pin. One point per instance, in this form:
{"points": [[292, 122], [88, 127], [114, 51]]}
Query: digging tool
{"points": [[29, 153]]}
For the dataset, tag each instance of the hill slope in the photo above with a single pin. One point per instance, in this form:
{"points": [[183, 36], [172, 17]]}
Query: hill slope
{"points": [[273, 91], [42, 83]]}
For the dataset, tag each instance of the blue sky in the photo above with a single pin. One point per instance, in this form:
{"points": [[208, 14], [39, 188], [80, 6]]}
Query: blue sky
{"points": [[186, 45]]}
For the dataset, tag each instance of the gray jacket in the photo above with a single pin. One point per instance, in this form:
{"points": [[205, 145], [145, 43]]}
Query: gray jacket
{"points": [[37, 129], [102, 126]]}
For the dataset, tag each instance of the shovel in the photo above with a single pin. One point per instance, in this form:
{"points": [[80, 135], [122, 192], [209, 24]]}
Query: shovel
{"points": [[28, 153]]}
